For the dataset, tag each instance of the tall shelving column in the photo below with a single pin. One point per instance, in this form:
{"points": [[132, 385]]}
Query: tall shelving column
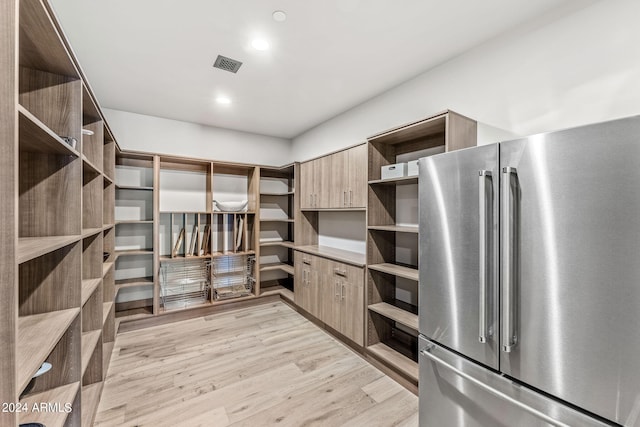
{"points": [[392, 223], [135, 223], [8, 207], [277, 214]]}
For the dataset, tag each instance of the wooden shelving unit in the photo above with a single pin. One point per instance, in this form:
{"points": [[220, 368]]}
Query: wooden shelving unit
{"points": [[278, 207], [61, 396], [392, 323], [56, 185]]}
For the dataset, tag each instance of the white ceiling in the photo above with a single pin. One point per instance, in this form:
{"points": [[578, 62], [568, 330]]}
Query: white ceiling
{"points": [[155, 57]]}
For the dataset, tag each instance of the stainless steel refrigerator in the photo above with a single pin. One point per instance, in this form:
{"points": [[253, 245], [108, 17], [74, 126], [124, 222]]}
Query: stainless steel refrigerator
{"points": [[529, 298]]}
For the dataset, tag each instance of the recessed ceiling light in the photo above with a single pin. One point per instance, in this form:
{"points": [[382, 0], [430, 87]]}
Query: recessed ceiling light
{"points": [[223, 100], [260, 44], [279, 16]]}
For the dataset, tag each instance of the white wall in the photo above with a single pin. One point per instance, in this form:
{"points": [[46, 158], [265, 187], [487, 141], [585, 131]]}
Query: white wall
{"points": [[164, 136], [558, 72]]}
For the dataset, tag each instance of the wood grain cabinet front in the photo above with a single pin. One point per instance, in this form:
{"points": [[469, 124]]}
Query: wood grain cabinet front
{"points": [[333, 292]]}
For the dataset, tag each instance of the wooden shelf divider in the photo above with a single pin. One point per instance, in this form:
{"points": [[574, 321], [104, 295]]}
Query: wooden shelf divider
{"points": [[90, 400], [35, 136], [59, 395], [89, 341], [38, 334], [396, 270], [89, 286], [395, 228], [288, 268], [33, 247], [396, 314], [395, 359]]}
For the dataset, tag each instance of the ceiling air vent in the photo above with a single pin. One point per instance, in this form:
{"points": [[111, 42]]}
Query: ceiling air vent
{"points": [[227, 64]]}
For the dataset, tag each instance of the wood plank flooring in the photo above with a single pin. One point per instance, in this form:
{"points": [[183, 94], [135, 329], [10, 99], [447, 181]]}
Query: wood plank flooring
{"points": [[258, 366]]}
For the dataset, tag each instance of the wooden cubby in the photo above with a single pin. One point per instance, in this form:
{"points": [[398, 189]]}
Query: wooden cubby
{"points": [[56, 187], [392, 233], [278, 201]]}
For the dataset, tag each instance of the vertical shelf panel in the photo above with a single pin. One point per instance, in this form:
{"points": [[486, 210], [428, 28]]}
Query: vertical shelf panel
{"points": [[8, 208]]}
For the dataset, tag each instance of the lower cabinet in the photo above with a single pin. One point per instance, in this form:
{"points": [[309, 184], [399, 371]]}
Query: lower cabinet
{"points": [[332, 292]]}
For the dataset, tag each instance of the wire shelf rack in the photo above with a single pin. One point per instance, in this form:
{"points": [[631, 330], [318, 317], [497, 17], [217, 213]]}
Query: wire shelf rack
{"points": [[233, 276], [183, 284]]}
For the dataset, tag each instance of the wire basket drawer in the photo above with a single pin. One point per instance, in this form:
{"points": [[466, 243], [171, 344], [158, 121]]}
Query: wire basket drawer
{"points": [[233, 276], [183, 283]]}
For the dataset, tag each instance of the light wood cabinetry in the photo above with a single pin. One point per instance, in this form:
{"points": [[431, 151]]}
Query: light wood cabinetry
{"points": [[392, 319], [336, 181], [333, 292], [56, 175]]}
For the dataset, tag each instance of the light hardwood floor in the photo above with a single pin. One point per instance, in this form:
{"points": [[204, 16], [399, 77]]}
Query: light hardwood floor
{"points": [[258, 366]]}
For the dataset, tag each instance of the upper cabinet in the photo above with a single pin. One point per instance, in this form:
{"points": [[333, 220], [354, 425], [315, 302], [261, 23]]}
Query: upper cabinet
{"points": [[336, 181]]}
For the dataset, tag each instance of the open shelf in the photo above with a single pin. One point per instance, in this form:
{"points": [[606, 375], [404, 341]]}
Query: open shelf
{"points": [[133, 252], [277, 266], [284, 243], [88, 232], [395, 228], [41, 46], [33, 247], [38, 334], [403, 180], [88, 288], [133, 187], [136, 281], [396, 270], [35, 136], [90, 399], [276, 220], [106, 310], [87, 166], [107, 350], [396, 314], [395, 359], [106, 267], [266, 290], [89, 341], [134, 221], [59, 395]]}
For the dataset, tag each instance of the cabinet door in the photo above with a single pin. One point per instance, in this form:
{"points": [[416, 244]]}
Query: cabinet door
{"points": [[352, 305], [322, 182], [357, 177], [307, 171], [299, 279], [338, 179], [331, 303]]}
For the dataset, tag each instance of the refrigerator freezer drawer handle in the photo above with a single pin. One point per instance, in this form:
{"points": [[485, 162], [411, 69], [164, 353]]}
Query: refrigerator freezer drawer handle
{"points": [[483, 301], [427, 353], [508, 308]]}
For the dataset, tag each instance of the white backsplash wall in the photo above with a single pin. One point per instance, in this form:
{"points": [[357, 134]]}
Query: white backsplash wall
{"points": [[183, 191], [343, 230]]}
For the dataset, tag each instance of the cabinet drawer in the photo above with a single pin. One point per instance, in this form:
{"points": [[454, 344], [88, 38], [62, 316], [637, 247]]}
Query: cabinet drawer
{"points": [[347, 272]]}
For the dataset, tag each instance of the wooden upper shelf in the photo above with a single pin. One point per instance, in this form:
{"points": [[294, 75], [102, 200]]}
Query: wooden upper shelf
{"points": [[412, 131], [41, 46]]}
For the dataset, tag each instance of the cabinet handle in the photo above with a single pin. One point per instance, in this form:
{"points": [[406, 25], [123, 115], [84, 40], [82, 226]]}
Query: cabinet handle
{"points": [[306, 261], [344, 198], [339, 272], [311, 200], [350, 197], [342, 291], [337, 291], [315, 200]]}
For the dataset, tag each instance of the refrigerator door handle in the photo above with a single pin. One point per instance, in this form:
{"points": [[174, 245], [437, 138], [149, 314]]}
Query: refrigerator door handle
{"points": [[541, 415], [483, 300], [509, 334]]}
